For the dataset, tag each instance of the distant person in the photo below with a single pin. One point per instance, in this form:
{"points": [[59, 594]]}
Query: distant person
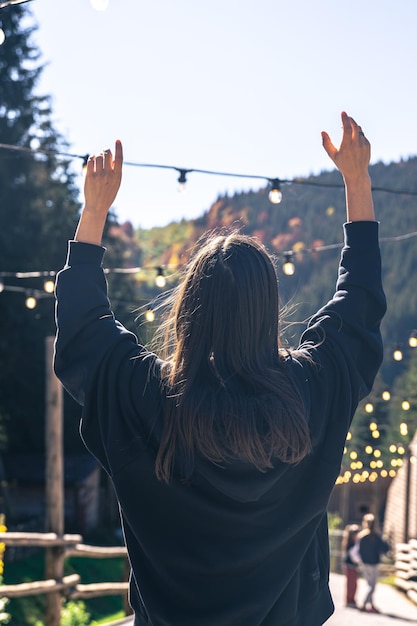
{"points": [[224, 452], [371, 548], [349, 564]]}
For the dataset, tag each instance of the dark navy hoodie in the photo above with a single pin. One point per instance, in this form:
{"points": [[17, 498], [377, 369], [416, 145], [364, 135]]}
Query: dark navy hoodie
{"points": [[233, 546]]}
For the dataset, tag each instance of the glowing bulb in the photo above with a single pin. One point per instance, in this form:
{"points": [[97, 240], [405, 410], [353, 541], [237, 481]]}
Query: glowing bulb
{"points": [[398, 355], [2, 36], [403, 429], [353, 454], [405, 405], [393, 448], [30, 302], [49, 286], [275, 195], [149, 315], [369, 449], [369, 407], [100, 5], [348, 436], [377, 453], [375, 434], [160, 280], [401, 450], [288, 268], [386, 396], [412, 341], [373, 426]]}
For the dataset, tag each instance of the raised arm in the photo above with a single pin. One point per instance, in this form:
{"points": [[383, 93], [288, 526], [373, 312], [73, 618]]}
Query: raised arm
{"points": [[102, 182], [352, 160]]}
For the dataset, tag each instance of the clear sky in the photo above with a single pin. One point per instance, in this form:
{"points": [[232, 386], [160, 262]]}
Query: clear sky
{"points": [[240, 86]]}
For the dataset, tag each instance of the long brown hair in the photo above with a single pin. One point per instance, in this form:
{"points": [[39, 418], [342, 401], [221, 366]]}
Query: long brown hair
{"points": [[228, 394]]}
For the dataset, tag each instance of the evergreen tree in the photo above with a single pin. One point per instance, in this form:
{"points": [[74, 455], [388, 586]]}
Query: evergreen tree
{"points": [[38, 210]]}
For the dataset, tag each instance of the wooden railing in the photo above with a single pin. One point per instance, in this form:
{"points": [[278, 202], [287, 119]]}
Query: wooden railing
{"points": [[68, 587], [406, 568]]}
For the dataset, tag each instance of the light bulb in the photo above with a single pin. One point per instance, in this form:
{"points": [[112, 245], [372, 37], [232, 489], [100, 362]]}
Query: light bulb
{"points": [[386, 396], [275, 195], [30, 302], [288, 268], [398, 355], [182, 179], [2, 36], [149, 315], [412, 342], [369, 407], [160, 280], [49, 286]]}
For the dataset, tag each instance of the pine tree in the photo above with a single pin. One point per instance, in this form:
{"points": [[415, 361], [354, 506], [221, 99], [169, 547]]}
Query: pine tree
{"points": [[38, 211]]}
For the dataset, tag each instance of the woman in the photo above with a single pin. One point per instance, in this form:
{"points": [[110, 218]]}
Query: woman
{"points": [[350, 565], [223, 456]]}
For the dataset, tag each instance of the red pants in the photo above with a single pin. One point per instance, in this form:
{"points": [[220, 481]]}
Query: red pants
{"points": [[351, 583]]}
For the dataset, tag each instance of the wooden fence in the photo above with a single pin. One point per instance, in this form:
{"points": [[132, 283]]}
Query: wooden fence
{"points": [[68, 587], [406, 568]]}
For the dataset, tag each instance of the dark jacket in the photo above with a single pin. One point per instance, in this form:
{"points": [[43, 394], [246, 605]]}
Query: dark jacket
{"points": [[235, 546], [371, 548]]}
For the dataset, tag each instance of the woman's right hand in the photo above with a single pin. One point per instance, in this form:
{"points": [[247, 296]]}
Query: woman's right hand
{"points": [[352, 160], [353, 156]]}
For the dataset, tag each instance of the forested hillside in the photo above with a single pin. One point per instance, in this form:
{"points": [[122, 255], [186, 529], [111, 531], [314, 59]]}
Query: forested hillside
{"points": [[311, 216]]}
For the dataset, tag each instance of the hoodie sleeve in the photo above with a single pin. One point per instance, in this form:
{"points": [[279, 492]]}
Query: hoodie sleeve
{"points": [[100, 363], [342, 342]]}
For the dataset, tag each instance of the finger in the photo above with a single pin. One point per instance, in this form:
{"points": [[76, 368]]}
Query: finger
{"points": [[328, 145], [118, 156], [357, 131], [99, 162], [347, 125], [107, 159], [90, 165]]}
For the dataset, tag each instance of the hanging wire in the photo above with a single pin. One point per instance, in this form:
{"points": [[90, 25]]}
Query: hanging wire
{"points": [[273, 182]]}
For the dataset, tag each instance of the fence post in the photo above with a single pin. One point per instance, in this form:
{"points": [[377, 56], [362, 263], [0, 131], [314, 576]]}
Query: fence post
{"points": [[54, 522]]}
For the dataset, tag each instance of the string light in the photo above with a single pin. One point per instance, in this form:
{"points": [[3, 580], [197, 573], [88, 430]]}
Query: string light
{"points": [[160, 280], [397, 354], [49, 286], [275, 194], [182, 179], [149, 315], [31, 302], [403, 429], [288, 267], [412, 341]]}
